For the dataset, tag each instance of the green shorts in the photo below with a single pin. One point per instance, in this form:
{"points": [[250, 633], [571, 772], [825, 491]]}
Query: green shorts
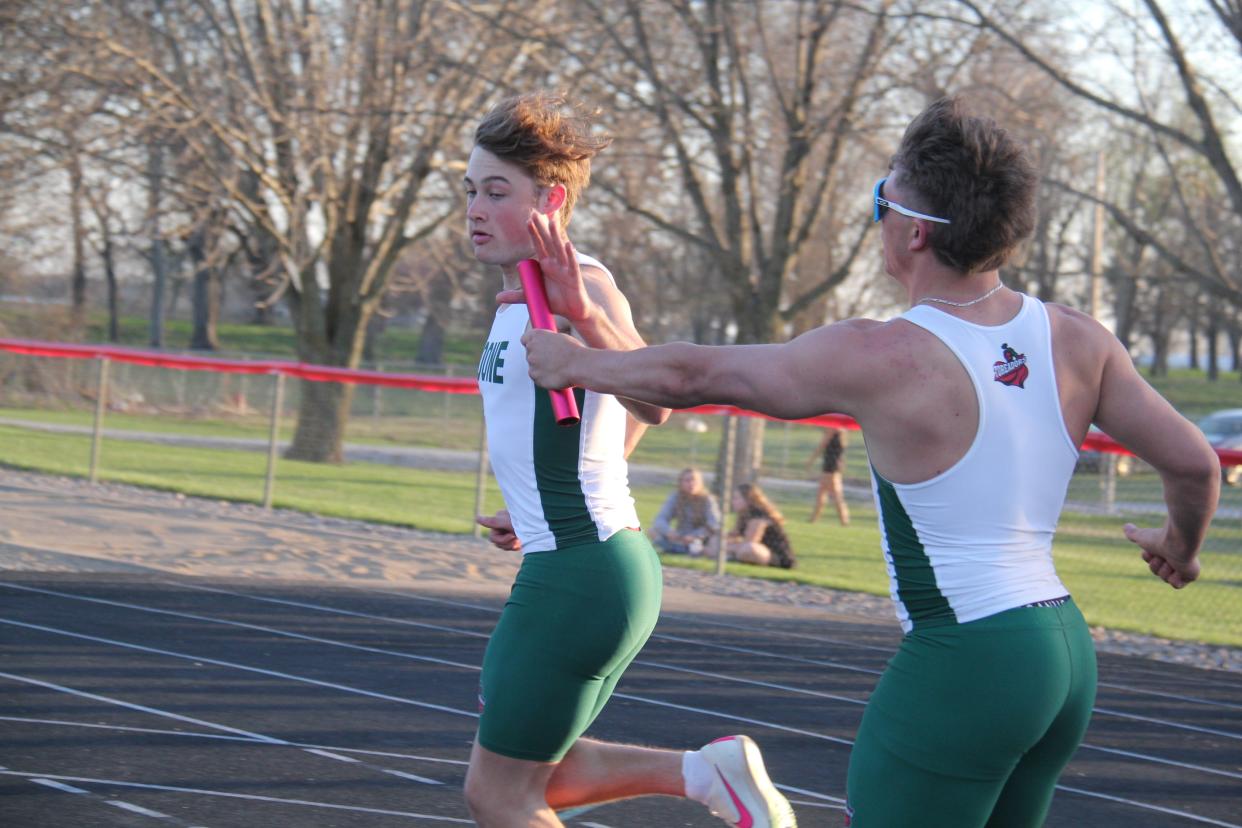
{"points": [[971, 724], [574, 621]]}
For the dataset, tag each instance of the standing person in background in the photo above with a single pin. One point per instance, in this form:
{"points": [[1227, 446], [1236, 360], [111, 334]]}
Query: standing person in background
{"points": [[831, 452], [973, 403], [689, 519], [587, 594], [759, 537]]}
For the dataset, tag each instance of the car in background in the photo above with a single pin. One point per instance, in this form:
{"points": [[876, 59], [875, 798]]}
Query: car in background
{"points": [[1223, 430]]}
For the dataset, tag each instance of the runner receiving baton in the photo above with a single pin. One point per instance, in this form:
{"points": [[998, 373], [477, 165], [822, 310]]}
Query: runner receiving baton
{"points": [[972, 403], [587, 594]]}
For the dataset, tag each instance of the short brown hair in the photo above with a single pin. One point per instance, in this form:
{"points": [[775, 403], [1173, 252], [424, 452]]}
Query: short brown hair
{"points": [[548, 138], [971, 171]]}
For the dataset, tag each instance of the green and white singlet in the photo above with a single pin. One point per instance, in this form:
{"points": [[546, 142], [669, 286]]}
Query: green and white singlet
{"points": [[991, 690], [587, 594], [563, 486], [976, 540]]}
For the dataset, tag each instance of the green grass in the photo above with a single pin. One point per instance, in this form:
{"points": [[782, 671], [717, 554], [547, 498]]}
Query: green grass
{"points": [[1192, 394], [1104, 571]]}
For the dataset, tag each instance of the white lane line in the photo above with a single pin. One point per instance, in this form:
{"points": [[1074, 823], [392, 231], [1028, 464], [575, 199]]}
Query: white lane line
{"points": [[344, 688], [1171, 696], [1161, 761], [327, 754], [807, 636], [60, 688], [807, 804], [673, 616], [244, 735], [717, 714], [349, 613], [1158, 808], [819, 694], [1225, 734], [94, 797], [413, 777], [243, 625], [137, 809], [249, 797], [192, 735], [644, 662], [804, 792], [60, 786], [398, 654]]}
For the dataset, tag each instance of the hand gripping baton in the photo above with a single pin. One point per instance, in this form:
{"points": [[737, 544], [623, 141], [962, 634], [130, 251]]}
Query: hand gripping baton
{"points": [[564, 406]]}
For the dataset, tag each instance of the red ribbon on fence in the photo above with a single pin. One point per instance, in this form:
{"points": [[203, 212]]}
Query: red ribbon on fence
{"points": [[302, 370], [1096, 440]]}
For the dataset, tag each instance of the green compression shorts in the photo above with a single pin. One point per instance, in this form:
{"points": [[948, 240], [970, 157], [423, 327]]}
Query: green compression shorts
{"points": [[574, 621], [971, 724]]}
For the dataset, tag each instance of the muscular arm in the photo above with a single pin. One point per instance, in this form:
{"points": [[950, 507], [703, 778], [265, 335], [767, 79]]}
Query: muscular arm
{"points": [[824, 370], [1133, 413]]}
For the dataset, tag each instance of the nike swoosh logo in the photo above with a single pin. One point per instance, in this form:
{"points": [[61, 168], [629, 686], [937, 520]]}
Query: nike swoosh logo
{"points": [[745, 820]]}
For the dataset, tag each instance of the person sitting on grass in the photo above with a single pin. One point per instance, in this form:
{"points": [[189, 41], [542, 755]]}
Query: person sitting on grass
{"points": [[759, 537], [689, 519]]}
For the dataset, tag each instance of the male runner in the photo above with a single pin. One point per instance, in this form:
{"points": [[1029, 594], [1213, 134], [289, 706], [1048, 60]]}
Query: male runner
{"points": [[587, 594], [973, 403]]}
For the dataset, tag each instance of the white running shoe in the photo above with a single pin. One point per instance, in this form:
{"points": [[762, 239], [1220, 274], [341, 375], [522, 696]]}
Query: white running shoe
{"points": [[741, 793]]}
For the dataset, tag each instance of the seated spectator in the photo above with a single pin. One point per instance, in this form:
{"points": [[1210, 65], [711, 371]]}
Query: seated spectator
{"points": [[689, 518], [759, 537]]}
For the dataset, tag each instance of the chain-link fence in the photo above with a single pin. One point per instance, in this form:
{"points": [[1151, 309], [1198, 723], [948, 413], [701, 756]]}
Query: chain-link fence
{"points": [[414, 456]]}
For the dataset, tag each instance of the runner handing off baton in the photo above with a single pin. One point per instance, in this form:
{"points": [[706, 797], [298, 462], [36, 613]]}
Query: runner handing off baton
{"points": [[973, 403]]}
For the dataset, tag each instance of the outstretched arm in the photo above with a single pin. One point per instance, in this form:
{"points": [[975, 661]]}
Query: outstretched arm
{"points": [[802, 378]]}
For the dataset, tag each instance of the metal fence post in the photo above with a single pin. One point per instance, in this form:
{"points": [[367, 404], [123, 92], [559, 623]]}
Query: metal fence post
{"points": [[375, 396], [1108, 482], [726, 491], [278, 403], [480, 481], [444, 416], [101, 405]]}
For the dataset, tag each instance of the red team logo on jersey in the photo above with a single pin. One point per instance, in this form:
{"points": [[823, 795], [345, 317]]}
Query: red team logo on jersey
{"points": [[1012, 369]]}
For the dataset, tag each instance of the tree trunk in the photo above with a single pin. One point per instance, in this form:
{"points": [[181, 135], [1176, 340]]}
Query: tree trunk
{"points": [[78, 281], [748, 451], [1160, 352], [205, 302], [1194, 339], [431, 343], [1233, 327], [322, 414], [109, 264], [159, 265], [1213, 346]]}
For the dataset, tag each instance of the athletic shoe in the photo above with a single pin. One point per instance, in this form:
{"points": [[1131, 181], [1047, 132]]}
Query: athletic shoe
{"points": [[741, 792]]}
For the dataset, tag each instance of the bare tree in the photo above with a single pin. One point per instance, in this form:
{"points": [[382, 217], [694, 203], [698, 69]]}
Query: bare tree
{"points": [[323, 126], [1192, 124]]}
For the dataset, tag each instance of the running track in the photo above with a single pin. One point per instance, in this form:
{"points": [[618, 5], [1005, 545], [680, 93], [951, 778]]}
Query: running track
{"points": [[149, 700]]}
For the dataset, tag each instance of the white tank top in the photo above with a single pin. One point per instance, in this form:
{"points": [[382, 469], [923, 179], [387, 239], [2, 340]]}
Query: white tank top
{"points": [[977, 539], [563, 486]]}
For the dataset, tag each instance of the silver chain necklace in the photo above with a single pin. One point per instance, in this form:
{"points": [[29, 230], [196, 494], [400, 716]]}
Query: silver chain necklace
{"points": [[975, 301]]}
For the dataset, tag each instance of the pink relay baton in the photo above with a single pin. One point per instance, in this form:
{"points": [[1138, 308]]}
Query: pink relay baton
{"points": [[564, 406]]}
